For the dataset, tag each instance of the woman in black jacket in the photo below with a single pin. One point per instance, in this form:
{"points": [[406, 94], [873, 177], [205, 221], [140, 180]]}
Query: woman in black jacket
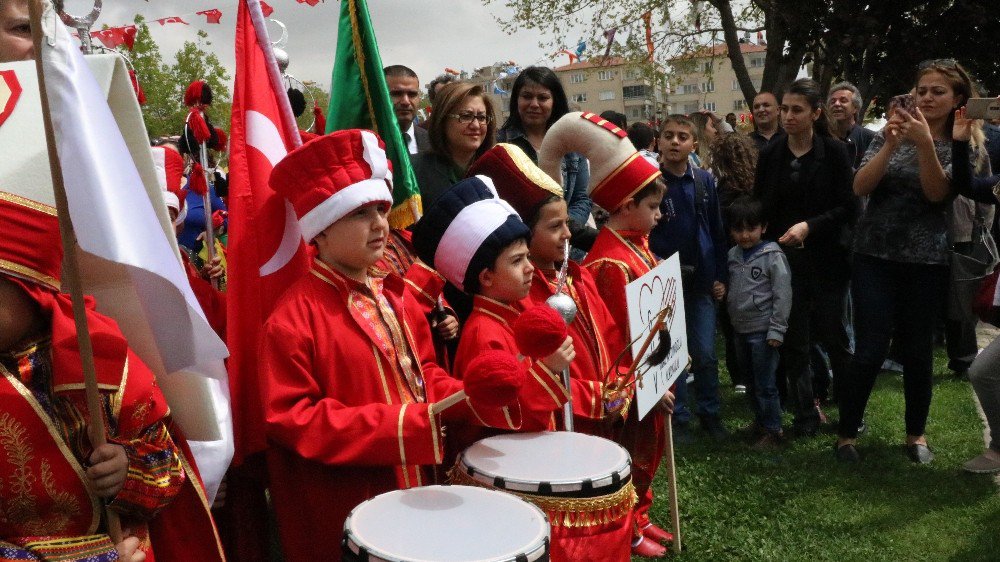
{"points": [[804, 182]]}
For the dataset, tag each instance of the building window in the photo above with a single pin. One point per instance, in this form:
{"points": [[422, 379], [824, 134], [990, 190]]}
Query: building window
{"points": [[757, 62], [636, 113], [708, 86], [605, 74], [739, 105], [576, 78], [635, 92], [607, 95], [706, 67], [736, 85], [689, 89], [710, 105], [690, 107], [632, 74], [579, 98]]}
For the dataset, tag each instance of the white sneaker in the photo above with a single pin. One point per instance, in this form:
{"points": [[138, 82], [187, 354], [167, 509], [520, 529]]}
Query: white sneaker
{"points": [[740, 389]]}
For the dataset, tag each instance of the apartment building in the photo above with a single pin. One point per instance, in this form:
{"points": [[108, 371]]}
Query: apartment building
{"points": [[598, 85], [705, 79]]}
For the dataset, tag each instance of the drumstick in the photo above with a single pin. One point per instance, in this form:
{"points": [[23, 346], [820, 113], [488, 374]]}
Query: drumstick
{"points": [[645, 344], [442, 405], [675, 513]]}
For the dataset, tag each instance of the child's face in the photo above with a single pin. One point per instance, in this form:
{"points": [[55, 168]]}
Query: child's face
{"points": [[643, 215], [748, 236], [676, 142], [510, 279], [550, 234], [355, 242], [19, 315]]}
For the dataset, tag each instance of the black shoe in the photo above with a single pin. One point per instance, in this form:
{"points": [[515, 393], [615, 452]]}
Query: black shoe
{"points": [[919, 453], [847, 453], [807, 428], [714, 428], [863, 427]]}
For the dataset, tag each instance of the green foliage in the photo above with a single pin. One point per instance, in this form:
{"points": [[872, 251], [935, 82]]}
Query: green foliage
{"points": [[798, 503], [164, 84]]}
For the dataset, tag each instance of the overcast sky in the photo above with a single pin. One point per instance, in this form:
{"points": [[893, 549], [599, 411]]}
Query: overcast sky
{"points": [[426, 35]]}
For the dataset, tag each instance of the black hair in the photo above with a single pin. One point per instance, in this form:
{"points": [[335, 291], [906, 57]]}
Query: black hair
{"points": [[441, 80], [531, 218], [298, 101], [616, 118], [398, 71], [546, 78], [745, 212], [810, 89], [641, 135]]}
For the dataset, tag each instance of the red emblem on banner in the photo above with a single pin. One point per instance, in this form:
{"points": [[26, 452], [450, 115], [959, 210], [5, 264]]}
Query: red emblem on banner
{"points": [[10, 92]]}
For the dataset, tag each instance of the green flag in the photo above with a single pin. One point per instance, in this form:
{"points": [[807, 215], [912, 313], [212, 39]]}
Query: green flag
{"points": [[359, 99]]}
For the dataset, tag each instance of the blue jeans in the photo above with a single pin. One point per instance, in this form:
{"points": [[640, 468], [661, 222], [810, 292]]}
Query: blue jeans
{"points": [[759, 363], [699, 310]]}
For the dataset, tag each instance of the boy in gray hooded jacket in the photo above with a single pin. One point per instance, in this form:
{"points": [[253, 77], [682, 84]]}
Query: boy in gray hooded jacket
{"points": [[759, 301]]}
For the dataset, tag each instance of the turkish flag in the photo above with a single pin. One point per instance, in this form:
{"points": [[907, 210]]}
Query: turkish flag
{"points": [[310, 2], [266, 9], [171, 19], [128, 34], [266, 253], [211, 16], [111, 37]]}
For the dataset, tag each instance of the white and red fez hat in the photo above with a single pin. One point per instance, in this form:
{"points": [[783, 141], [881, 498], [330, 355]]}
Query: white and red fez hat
{"points": [[517, 179], [330, 176], [465, 230], [617, 170], [169, 166], [31, 246]]}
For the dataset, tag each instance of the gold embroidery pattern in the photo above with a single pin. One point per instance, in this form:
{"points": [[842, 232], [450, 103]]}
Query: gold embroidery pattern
{"points": [[21, 508]]}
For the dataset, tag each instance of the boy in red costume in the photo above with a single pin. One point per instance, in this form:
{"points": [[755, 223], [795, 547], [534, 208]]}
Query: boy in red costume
{"points": [[629, 187], [479, 244], [349, 372], [60, 483]]}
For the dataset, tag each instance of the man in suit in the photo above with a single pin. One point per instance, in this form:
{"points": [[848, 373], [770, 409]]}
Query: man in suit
{"points": [[404, 89]]}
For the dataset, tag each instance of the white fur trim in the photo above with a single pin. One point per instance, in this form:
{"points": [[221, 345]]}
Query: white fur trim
{"points": [[342, 202], [467, 232], [159, 164], [170, 198]]}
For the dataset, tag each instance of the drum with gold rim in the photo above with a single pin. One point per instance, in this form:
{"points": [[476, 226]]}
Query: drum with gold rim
{"points": [[583, 484]]}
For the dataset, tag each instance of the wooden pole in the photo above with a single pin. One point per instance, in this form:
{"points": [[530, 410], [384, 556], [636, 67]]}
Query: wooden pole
{"points": [[675, 513], [207, 202], [71, 268]]}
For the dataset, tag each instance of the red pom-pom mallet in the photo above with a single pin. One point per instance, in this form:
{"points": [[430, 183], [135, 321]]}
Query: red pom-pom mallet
{"points": [[539, 331], [492, 380]]}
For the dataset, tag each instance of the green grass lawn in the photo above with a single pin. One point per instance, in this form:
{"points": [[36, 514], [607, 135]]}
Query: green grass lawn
{"points": [[800, 504]]}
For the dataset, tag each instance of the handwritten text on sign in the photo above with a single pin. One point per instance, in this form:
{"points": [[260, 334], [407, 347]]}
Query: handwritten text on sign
{"points": [[667, 356]]}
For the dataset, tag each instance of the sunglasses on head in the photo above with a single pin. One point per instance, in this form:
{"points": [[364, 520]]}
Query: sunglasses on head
{"points": [[943, 63]]}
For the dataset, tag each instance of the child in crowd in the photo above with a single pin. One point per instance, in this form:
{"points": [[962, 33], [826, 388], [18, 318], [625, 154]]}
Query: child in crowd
{"points": [[60, 482], [692, 226], [479, 244], [759, 302], [349, 376], [597, 339]]}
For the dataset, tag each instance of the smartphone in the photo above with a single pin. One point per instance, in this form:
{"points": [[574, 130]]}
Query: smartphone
{"points": [[905, 102], [983, 108]]}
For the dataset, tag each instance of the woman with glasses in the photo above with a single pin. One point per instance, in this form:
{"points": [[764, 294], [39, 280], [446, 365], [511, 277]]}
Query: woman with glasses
{"points": [[901, 252], [537, 100], [804, 182], [462, 127]]}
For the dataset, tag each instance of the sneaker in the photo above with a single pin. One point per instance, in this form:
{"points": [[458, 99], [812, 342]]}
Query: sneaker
{"points": [[985, 463], [808, 427], [890, 365], [847, 453], [768, 442], [690, 378], [740, 389], [714, 428], [919, 453]]}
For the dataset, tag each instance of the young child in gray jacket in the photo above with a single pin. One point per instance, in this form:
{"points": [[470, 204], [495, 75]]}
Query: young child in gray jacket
{"points": [[759, 301]]}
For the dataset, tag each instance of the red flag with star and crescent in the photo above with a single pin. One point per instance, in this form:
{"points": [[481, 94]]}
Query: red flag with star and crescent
{"points": [[266, 252]]}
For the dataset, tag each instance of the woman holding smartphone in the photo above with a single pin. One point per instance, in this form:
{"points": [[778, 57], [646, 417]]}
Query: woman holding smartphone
{"points": [[901, 252]]}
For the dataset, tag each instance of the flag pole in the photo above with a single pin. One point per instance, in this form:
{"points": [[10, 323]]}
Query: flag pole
{"points": [[207, 202], [71, 269]]}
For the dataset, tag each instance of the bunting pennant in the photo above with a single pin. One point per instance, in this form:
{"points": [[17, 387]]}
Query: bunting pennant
{"points": [[211, 16], [609, 36], [647, 21], [310, 2], [171, 19], [572, 57], [266, 9], [580, 48]]}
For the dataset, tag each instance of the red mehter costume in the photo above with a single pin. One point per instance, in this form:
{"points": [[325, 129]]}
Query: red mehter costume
{"points": [[349, 366], [48, 511], [615, 260]]}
